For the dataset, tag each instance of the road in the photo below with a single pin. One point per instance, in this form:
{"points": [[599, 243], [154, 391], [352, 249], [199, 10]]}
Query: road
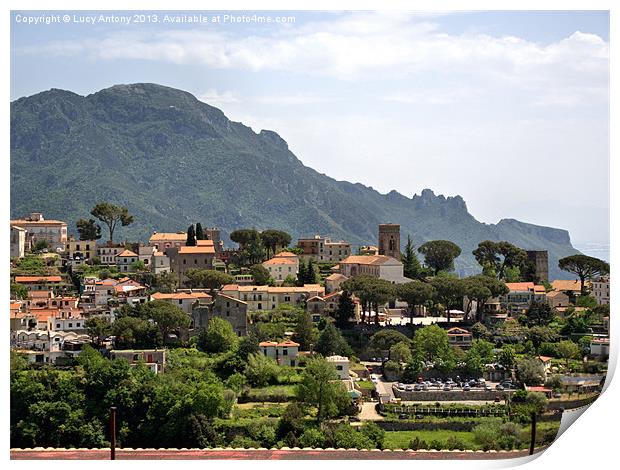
{"points": [[255, 454]]}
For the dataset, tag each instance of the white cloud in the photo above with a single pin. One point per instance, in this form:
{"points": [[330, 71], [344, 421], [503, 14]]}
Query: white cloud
{"points": [[216, 98]]}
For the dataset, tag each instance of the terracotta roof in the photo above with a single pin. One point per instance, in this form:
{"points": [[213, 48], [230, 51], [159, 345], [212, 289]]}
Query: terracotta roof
{"points": [[15, 305], [168, 236], [545, 358], [38, 279], [539, 389], [278, 260], [568, 285], [37, 222], [333, 294], [456, 331], [127, 253], [368, 260], [204, 242], [275, 343], [336, 277], [180, 296], [555, 293], [520, 286], [198, 250], [317, 298], [286, 254]]}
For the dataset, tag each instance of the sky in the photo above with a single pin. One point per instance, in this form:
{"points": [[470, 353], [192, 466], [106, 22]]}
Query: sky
{"points": [[510, 110]]}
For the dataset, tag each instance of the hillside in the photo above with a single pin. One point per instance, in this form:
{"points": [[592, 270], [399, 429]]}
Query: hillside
{"points": [[174, 160]]}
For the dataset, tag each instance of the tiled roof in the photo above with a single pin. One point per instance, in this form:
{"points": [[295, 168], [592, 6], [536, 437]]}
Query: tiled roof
{"points": [[180, 296], [196, 250], [204, 242], [367, 260], [275, 343], [336, 277], [568, 285], [37, 222], [168, 236], [127, 253], [38, 278], [286, 254], [520, 286], [278, 260]]}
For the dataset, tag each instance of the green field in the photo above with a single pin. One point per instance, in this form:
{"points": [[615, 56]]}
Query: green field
{"points": [[401, 439]]}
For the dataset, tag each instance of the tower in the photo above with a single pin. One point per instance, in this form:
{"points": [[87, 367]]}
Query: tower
{"points": [[540, 261], [389, 240]]}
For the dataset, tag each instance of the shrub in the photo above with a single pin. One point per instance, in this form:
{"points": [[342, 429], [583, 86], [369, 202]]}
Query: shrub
{"points": [[417, 444], [244, 442], [312, 437], [454, 443], [374, 433]]}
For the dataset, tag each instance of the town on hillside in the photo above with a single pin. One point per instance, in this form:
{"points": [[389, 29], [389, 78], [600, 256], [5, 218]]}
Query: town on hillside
{"points": [[276, 343]]}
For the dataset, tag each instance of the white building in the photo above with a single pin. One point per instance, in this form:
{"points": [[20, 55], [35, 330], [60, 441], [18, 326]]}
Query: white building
{"points": [[125, 259], [184, 300], [160, 263], [342, 366], [18, 241], [285, 353], [282, 265], [599, 347], [380, 266], [600, 290]]}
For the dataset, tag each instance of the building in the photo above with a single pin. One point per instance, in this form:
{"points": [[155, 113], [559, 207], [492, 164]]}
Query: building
{"points": [[370, 250], [342, 366], [107, 253], [86, 249], [389, 240], [184, 300], [333, 282], [154, 359], [160, 263], [600, 290], [213, 234], [145, 254], [270, 298], [231, 309], [37, 229], [282, 265], [319, 306], [521, 295], [379, 266], [18, 241], [164, 240], [557, 299], [285, 353], [125, 259], [324, 250], [572, 288], [599, 347], [185, 258], [539, 259], [460, 337], [51, 284]]}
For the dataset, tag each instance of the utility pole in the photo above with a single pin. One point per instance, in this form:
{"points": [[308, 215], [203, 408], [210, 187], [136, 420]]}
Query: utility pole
{"points": [[112, 433], [533, 439]]}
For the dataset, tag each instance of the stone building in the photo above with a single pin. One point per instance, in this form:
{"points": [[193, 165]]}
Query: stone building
{"points": [[389, 240], [540, 260]]}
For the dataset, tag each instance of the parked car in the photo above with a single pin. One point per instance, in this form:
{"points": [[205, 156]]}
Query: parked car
{"points": [[557, 395], [417, 388], [447, 388], [499, 387], [488, 387], [466, 388], [403, 416], [425, 387]]}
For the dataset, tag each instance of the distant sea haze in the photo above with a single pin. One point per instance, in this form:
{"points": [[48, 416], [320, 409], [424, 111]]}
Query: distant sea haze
{"points": [[598, 250]]}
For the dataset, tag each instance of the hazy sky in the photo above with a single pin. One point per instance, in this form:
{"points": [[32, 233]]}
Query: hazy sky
{"points": [[507, 109]]}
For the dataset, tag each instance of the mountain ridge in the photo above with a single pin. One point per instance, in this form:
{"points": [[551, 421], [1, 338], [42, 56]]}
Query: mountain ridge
{"points": [[174, 160]]}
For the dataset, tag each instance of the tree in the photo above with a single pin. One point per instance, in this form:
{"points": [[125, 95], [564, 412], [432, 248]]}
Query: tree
{"points": [[261, 370], [243, 236], [137, 266], [88, 229], [539, 314], [540, 334], [168, 317], [320, 388], [274, 239], [289, 281], [480, 289], [312, 275], [379, 292], [19, 291], [478, 356], [200, 235], [305, 331], [506, 356], [439, 255], [260, 274], [98, 328], [586, 267], [383, 340], [449, 292], [414, 293], [530, 371], [191, 236], [111, 215], [497, 257], [331, 343], [41, 245], [479, 331], [411, 264], [164, 282], [135, 333], [401, 352], [568, 350], [430, 344], [217, 337], [208, 278], [346, 310]]}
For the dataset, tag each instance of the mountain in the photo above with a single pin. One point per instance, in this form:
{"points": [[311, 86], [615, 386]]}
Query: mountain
{"points": [[174, 161]]}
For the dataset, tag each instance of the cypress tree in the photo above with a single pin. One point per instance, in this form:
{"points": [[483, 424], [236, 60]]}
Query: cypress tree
{"points": [[199, 233], [411, 264], [311, 274], [301, 276], [191, 236]]}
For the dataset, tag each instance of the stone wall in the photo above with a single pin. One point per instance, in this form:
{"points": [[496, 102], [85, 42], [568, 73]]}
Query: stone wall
{"points": [[452, 395]]}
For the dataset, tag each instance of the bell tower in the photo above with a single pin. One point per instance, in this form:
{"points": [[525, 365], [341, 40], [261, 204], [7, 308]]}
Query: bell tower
{"points": [[389, 240]]}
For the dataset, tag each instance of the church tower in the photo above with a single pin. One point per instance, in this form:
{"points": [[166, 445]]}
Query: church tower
{"points": [[389, 240]]}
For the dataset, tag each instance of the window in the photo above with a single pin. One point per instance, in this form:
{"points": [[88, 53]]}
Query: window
{"points": [[195, 261], [57, 325], [338, 367], [77, 324], [285, 352], [260, 307], [180, 301], [70, 325]]}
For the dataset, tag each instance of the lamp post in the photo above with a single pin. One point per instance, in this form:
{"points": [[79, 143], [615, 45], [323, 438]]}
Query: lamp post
{"points": [[533, 438], [112, 433]]}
